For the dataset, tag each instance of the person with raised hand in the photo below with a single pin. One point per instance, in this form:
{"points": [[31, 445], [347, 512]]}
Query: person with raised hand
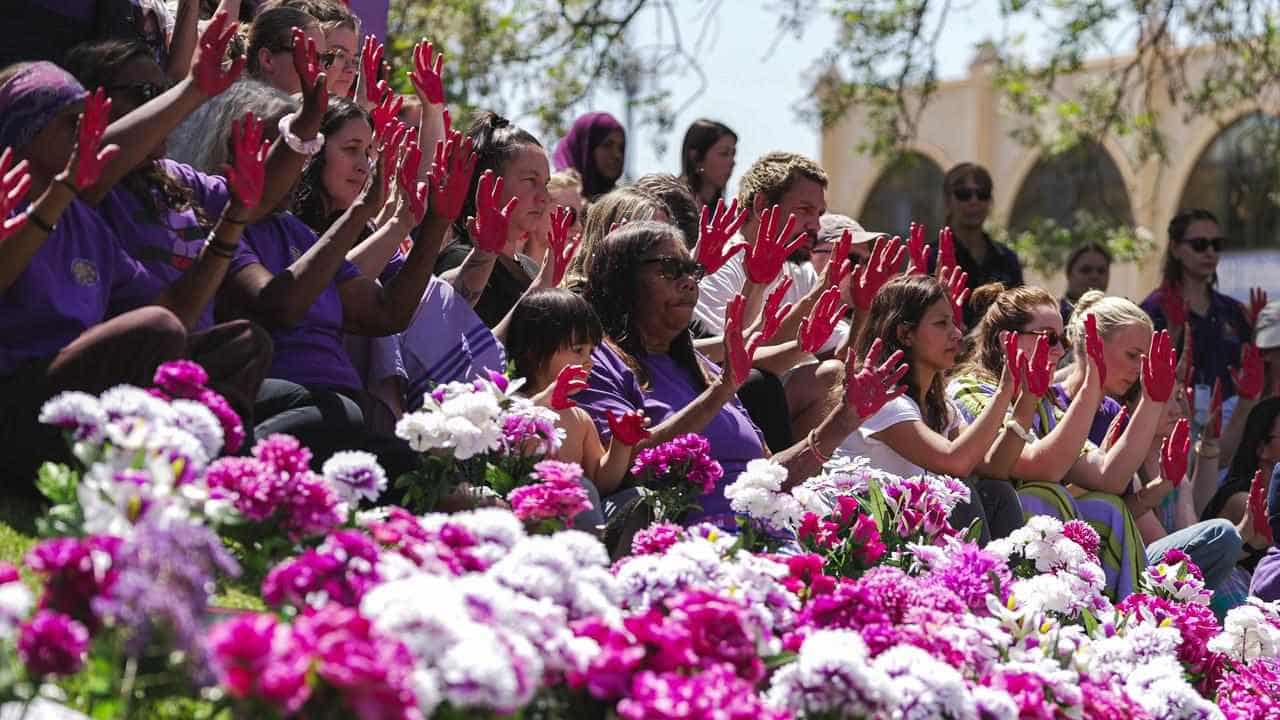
{"points": [[306, 290], [341, 38], [1061, 453], [507, 201], [642, 284], [554, 333], [919, 432]]}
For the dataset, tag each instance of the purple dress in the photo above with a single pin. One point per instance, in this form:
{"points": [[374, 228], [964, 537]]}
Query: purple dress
{"points": [[734, 439], [65, 289], [310, 353], [166, 244]]}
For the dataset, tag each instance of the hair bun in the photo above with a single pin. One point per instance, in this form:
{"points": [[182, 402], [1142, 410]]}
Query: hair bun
{"points": [[1088, 300], [981, 298]]}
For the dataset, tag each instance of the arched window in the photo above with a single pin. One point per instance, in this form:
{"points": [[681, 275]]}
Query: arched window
{"points": [[1236, 178], [908, 190], [1059, 187]]}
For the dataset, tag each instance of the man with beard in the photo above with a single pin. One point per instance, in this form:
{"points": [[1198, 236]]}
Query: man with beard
{"points": [[798, 186]]}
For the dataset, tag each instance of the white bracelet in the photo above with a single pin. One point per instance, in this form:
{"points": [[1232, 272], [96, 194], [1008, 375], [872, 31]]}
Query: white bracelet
{"points": [[1027, 436], [297, 144]]}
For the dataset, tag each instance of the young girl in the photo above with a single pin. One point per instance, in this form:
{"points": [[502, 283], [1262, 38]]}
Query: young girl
{"points": [[552, 332], [919, 432]]}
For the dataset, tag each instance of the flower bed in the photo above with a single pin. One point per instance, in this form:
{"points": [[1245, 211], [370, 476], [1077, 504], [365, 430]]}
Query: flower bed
{"points": [[849, 597]]}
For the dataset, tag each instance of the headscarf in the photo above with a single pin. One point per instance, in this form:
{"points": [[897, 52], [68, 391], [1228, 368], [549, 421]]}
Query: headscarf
{"points": [[32, 98], [574, 150]]}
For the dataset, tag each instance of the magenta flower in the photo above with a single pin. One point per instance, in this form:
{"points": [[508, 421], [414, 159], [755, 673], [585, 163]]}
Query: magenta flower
{"points": [[713, 694], [341, 571], [256, 491], [1079, 532], [256, 658], [655, 539], [1173, 556], [233, 433], [181, 379], [53, 644], [76, 572], [284, 454], [686, 458], [370, 672], [718, 632], [1252, 691], [1197, 624], [560, 498]]}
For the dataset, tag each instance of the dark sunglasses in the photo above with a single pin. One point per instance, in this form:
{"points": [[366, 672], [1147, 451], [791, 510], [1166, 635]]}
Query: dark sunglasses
{"points": [[1051, 335], [964, 194], [674, 268], [140, 91], [1200, 244]]}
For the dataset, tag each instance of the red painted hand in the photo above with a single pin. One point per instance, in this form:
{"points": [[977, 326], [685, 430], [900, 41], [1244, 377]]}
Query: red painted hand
{"points": [[571, 379], [629, 428], [306, 62], [14, 183], [1093, 347], [371, 68], [737, 350], [1039, 368], [882, 265], [956, 282], [427, 74], [387, 113], [1116, 428], [1257, 301], [1175, 451], [715, 231], [206, 69], [451, 171], [89, 159], [489, 227], [247, 172], [1159, 368], [839, 266], [867, 389], [563, 247], [1014, 359], [1250, 377], [415, 193], [1258, 506], [774, 313], [765, 258], [917, 250], [947, 248], [1173, 306], [1213, 425], [816, 329]]}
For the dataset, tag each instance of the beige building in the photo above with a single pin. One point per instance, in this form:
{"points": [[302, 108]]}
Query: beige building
{"points": [[1212, 162]]}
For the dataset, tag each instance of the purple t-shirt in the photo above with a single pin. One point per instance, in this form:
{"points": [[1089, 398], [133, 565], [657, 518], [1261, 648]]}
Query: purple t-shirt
{"points": [[735, 440], [166, 244], [311, 352], [64, 290]]}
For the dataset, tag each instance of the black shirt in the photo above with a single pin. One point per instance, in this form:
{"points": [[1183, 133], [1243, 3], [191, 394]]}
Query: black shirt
{"points": [[506, 285], [1000, 265]]}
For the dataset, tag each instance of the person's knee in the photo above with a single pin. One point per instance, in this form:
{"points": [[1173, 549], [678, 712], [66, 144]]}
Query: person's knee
{"points": [[159, 329], [1224, 537]]}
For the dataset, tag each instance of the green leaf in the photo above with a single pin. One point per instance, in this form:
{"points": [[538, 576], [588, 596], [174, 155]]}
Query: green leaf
{"points": [[879, 506], [57, 482], [975, 530], [774, 662], [1090, 622]]}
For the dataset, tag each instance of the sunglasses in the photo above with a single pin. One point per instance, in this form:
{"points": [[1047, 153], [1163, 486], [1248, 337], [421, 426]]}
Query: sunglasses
{"points": [[1200, 244], [141, 92], [674, 268], [964, 194], [1052, 336]]}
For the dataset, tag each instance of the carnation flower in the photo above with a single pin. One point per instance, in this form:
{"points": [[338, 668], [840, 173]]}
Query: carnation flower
{"points": [[76, 413], [340, 571], [53, 644], [1247, 633], [559, 496], [529, 429], [355, 475], [656, 538], [1252, 691], [201, 423], [75, 570], [1160, 688], [233, 431], [1082, 534], [686, 458], [256, 657], [714, 694], [832, 676], [1177, 578], [923, 687], [181, 378], [757, 492], [370, 671]]}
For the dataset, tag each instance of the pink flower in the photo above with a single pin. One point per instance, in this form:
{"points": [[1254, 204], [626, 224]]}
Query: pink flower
{"points": [[1028, 691], [557, 499], [1252, 691], [687, 458], [233, 434], [369, 671], [284, 454], [1079, 532], [53, 644], [718, 632], [257, 491], [181, 379], [256, 657], [313, 508], [1173, 556], [713, 694], [655, 539], [340, 571], [76, 571], [866, 540]]}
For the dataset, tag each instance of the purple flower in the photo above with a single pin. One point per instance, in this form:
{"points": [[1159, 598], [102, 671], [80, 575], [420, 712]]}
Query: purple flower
{"points": [[76, 571], [53, 644], [355, 475], [341, 571], [1080, 533], [715, 693], [166, 578], [530, 430], [256, 657], [233, 433], [1197, 624], [972, 573], [371, 672], [1173, 556], [181, 379], [655, 539], [687, 458]]}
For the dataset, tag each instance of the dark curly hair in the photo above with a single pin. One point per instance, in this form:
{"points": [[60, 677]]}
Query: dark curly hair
{"points": [[613, 289]]}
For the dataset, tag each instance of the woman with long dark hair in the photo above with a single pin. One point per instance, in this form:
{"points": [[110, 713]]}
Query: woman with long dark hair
{"points": [[707, 158]]}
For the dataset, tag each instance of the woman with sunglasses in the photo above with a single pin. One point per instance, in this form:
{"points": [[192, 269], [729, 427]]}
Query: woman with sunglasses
{"points": [[341, 36], [967, 190], [1059, 452], [1187, 298], [643, 285]]}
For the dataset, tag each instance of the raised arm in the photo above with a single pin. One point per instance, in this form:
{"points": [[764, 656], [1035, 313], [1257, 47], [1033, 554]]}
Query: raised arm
{"points": [[182, 44], [489, 233]]}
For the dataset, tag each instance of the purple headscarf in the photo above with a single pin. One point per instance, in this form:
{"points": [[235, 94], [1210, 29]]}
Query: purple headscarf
{"points": [[574, 150], [32, 98]]}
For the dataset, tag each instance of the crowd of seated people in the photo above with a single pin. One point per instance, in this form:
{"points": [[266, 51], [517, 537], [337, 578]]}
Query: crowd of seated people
{"points": [[235, 190]]}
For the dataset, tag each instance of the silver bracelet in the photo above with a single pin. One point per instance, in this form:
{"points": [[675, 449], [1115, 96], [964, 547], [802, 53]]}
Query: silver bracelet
{"points": [[297, 144]]}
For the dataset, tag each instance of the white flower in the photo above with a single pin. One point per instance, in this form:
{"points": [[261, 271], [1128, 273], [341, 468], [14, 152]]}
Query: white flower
{"points": [[423, 431], [16, 602], [832, 675], [127, 401], [1161, 689], [1246, 634], [495, 530], [924, 687], [355, 475], [78, 412], [200, 423], [994, 704], [1116, 656], [758, 492]]}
